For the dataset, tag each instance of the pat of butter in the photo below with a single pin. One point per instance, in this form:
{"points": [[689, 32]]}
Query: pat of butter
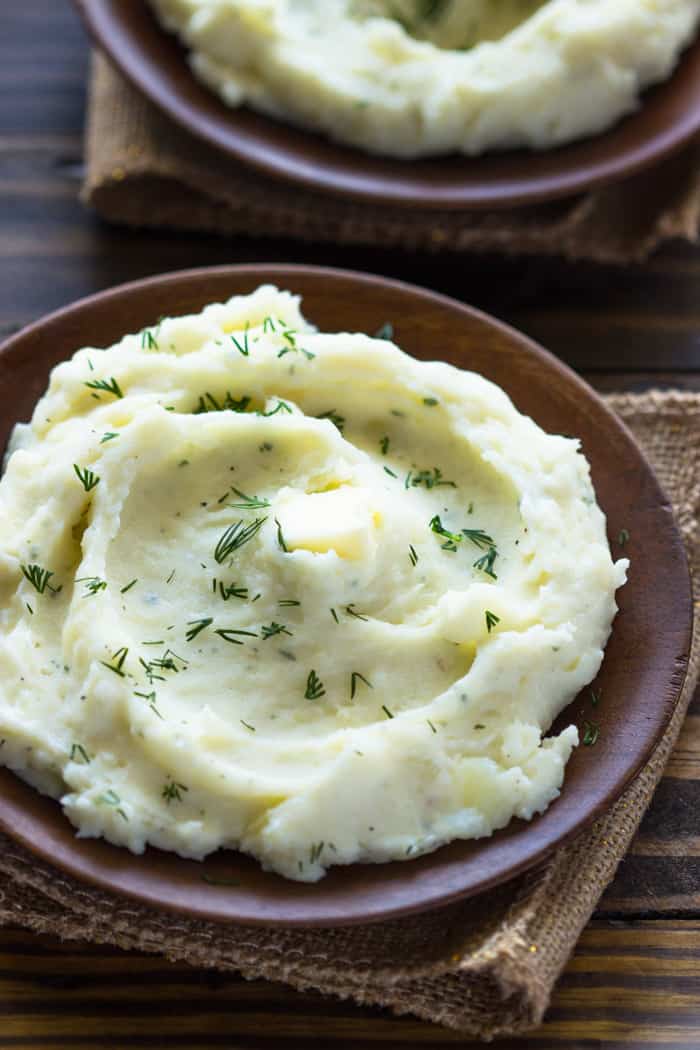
{"points": [[341, 520]]}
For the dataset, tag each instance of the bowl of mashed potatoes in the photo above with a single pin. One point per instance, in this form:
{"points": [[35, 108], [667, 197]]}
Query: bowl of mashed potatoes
{"points": [[299, 617], [517, 99]]}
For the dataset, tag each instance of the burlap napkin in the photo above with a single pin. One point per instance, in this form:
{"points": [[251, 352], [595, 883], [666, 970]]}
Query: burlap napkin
{"points": [[485, 966], [146, 171]]}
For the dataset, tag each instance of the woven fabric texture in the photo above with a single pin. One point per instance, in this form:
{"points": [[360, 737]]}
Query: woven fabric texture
{"points": [[143, 170]]}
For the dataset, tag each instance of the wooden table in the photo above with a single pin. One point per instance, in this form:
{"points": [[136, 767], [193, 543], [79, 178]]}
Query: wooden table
{"points": [[634, 980]]}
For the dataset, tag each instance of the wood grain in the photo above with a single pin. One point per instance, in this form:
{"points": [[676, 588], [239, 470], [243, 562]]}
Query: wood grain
{"points": [[635, 978]]}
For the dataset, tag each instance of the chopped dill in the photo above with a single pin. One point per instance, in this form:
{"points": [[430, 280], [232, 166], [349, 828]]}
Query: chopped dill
{"points": [[230, 591], [109, 386], [412, 555], [384, 445], [235, 536], [109, 435], [430, 478], [591, 732], [232, 636], [148, 340], [315, 852], [248, 725], [350, 609], [150, 699], [623, 537], [197, 626], [337, 420], [434, 730], [247, 502], [272, 629], [79, 750], [117, 662], [386, 711], [39, 578], [128, 586], [314, 687], [486, 562], [93, 584], [430, 401], [390, 472], [281, 406], [491, 620], [280, 538], [172, 791], [356, 677], [335, 615], [288, 602], [86, 477], [479, 538], [243, 347]]}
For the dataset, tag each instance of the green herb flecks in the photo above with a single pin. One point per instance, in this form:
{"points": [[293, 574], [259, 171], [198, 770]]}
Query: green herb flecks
{"points": [[431, 479], [337, 420], [272, 629], [108, 436], [77, 751], [109, 386], [248, 502], [351, 611], [385, 332], [384, 445], [230, 590], [623, 537], [93, 584], [280, 538], [430, 401], [111, 798], [229, 634], [248, 725], [197, 626], [128, 586], [486, 562], [235, 536], [453, 538], [591, 732], [281, 406], [243, 348], [491, 620], [288, 603], [356, 677], [150, 699], [595, 696], [314, 687], [86, 477], [479, 538], [39, 578], [432, 727], [315, 852], [387, 712], [117, 662], [149, 341], [269, 325], [172, 791], [289, 335], [390, 472], [208, 403], [335, 615], [412, 555]]}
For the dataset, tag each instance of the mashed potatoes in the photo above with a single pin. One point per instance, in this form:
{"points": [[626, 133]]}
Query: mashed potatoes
{"points": [[410, 78], [296, 593]]}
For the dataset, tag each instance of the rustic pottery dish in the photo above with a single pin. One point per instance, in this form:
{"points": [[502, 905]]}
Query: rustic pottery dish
{"points": [[644, 664], [156, 65]]}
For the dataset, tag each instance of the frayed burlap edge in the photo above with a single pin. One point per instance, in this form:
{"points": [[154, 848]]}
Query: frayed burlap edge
{"points": [[486, 966], [145, 171]]}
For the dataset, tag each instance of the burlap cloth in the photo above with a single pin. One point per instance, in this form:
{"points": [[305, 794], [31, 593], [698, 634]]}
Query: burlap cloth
{"points": [[144, 170], [485, 966]]}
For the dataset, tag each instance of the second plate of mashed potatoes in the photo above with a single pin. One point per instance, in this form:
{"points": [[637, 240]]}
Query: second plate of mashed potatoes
{"points": [[409, 78], [292, 592]]}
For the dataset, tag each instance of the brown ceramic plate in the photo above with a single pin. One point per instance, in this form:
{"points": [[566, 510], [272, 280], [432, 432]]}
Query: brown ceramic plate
{"points": [[644, 665], [156, 64]]}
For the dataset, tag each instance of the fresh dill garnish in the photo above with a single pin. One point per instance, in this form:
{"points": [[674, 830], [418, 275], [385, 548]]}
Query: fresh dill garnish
{"points": [[148, 340], [235, 536], [248, 725], [486, 562], [231, 591], [435, 524], [111, 798], [315, 852], [354, 678], [86, 477], [591, 732], [93, 584], [386, 711], [430, 478], [39, 578], [337, 420], [281, 406], [280, 538], [230, 635], [79, 750], [128, 587], [623, 537], [110, 386], [479, 725], [272, 629], [31, 611], [431, 725], [197, 626], [248, 502], [150, 699], [350, 609], [171, 577], [384, 445], [208, 403], [268, 323], [169, 661], [117, 662], [288, 602], [289, 335], [479, 538], [491, 620], [430, 401], [108, 436], [385, 332], [172, 791], [595, 696], [243, 347], [412, 555], [314, 687], [390, 472], [335, 615]]}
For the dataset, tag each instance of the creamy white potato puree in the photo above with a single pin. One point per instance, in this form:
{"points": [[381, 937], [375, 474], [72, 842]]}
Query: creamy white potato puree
{"points": [[294, 593], [410, 78]]}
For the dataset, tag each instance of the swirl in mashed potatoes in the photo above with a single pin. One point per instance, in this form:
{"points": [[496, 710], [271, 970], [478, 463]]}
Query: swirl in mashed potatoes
{"points": [[291, 592]]}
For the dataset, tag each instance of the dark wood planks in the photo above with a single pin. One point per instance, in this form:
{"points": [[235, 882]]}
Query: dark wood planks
{"points": [[635, 979]]}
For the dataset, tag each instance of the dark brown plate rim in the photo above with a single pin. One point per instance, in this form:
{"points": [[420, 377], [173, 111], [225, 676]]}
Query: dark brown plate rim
{"points": [[156, 65], [657, 659]]}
